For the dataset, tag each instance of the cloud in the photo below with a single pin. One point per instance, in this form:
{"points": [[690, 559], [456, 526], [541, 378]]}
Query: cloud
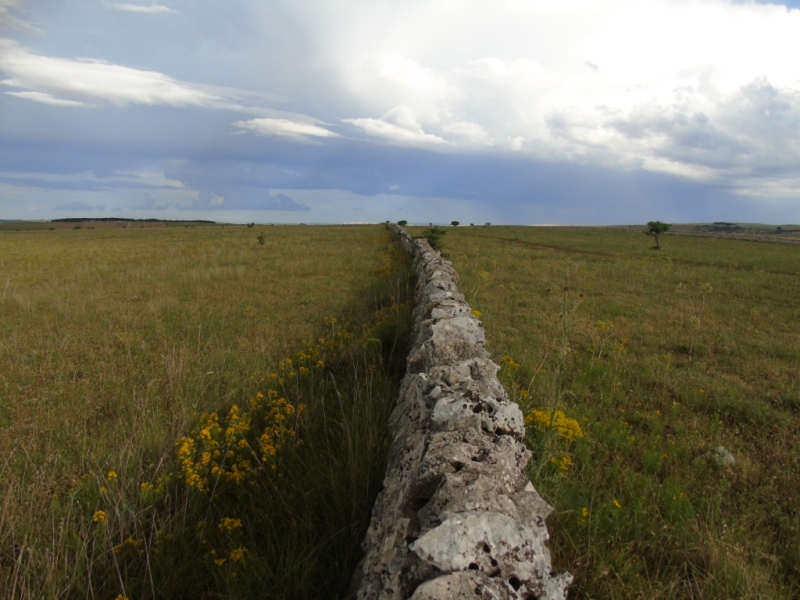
{"points": [[91, 82], [285, 128], [388, 80], [9, 21], [468, 132], [562, 82], [244, 198], [284, 202], [88, 180], [750, 132], [138, 8], [398, 126], [44, 98]]}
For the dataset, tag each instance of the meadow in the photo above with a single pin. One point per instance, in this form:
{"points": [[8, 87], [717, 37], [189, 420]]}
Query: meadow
{"points": [[200, 410], [193, 411], [632, 365]]}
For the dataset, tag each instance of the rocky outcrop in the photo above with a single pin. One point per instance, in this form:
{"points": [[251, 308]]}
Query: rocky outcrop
{"points": [[457, 518]]}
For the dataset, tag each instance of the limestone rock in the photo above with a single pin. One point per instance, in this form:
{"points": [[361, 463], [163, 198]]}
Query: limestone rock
{"points": [[720, 456], [456, 518]]}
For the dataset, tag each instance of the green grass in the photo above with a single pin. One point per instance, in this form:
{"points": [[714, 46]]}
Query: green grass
{"points": [[659, 357], [115, 343]]}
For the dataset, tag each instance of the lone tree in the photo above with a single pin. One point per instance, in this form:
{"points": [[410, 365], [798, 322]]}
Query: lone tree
{"points": [[655, 229], [402, 223], [454, 223]]}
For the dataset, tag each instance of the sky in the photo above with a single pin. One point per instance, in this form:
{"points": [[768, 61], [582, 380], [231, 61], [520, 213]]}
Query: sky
{"points": [[342, 111]]}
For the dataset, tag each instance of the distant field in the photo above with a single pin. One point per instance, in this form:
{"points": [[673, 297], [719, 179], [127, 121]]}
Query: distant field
{"points": [[114, 342], [632, 364]]}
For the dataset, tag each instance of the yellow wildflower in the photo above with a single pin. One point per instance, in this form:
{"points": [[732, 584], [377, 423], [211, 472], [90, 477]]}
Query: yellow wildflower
{"points": [[129, 541], [237, 554], [99, 516], [563, 462], [564, 426], [227, 524], [509, 362], [112, 475], [617, 504]]}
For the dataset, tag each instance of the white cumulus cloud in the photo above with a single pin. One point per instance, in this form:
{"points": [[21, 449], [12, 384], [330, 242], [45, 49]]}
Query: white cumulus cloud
{"points": [[702, 89]]}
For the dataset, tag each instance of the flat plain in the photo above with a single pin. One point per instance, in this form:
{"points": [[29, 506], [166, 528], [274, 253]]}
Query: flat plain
{"points": [[131, 355], [119, 346], [634, 367]]}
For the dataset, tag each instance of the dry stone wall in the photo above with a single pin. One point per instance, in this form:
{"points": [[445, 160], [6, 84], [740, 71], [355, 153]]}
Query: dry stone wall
{"points": [[457, 518]]}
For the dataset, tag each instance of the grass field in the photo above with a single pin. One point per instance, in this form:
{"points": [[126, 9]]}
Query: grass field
{"points": [[185, 411], [631, 365], [132, 359]]}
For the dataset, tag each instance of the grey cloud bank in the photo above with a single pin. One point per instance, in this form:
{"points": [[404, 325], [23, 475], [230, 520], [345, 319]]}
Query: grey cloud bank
{"points": [[336, 111]]}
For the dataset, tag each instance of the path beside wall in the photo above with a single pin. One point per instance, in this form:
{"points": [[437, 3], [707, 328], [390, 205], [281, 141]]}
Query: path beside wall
{"points": [[457, 518]]}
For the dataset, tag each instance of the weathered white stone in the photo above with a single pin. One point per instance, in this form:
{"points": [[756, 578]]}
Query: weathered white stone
{"points": [[456, 518], [720, 456], [463, 585], [484, 541]]}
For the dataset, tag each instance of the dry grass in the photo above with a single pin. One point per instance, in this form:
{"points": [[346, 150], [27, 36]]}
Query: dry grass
{"points": [[112, 342]]}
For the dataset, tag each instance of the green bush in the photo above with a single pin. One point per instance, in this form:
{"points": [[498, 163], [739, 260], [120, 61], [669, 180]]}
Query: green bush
{"points": [[434, 236]]}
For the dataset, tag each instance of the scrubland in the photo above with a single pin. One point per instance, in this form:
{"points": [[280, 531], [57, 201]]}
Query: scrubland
{"points": [[631, 365], [188, 412]]}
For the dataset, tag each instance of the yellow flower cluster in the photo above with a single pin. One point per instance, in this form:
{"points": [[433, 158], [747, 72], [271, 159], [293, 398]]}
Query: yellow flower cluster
{"points": [[233, 450], [565, 427], [129, 542], [235, 447], [563, 462], [509, 363], [158, 488], [236, 555], [229, 525]]}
